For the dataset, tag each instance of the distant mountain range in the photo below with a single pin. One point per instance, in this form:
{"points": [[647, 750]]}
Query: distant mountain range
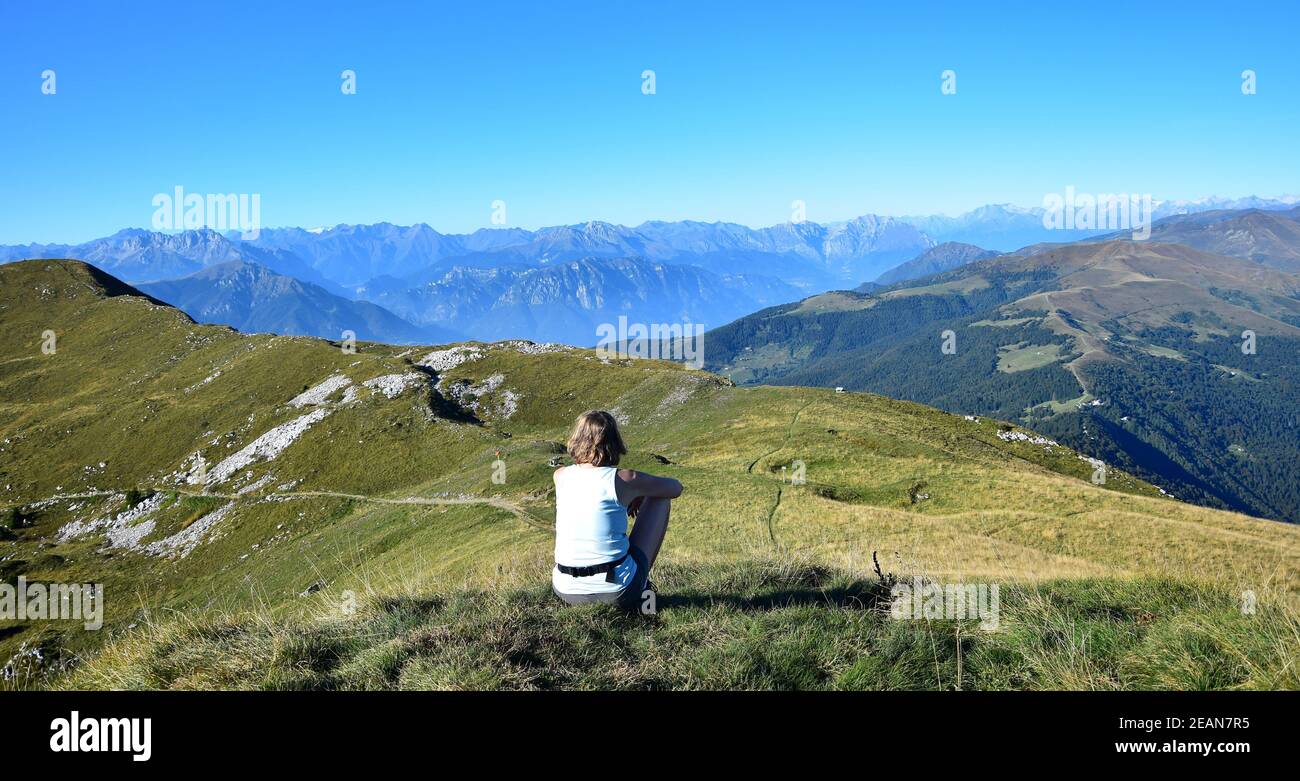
{"points": [[807, 255], [566, 301], [137, 255], [557, 283], [254, 299], [1005, 227], [999, 227], [1178, 364], [552, 284]]}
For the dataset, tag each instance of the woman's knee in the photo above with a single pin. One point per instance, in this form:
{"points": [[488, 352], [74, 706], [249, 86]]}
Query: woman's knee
{"points": [[652, 515], [657, 504]]}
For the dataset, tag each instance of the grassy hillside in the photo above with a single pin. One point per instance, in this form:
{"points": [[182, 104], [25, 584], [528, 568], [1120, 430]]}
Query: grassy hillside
{"points": [[1130, 352], [276, 511]]}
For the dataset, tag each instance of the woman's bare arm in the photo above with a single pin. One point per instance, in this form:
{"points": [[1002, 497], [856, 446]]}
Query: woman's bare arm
{"points": [[632, 485]]}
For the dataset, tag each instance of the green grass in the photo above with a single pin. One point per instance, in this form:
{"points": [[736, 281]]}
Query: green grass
{"points": [[1023, 357], [1060, 407], [1005, 322], [835, 301], [759, 624], [396, 496]]}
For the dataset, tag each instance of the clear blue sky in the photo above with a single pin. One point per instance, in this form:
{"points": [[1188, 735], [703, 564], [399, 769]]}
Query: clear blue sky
{"points": [[540, 105]]}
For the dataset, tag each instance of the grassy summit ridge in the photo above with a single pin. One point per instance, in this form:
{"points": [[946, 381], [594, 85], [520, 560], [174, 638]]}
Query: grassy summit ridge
{"points": [[154, 455]]}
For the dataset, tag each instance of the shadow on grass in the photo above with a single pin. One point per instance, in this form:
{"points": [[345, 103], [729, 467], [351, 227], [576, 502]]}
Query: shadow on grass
{"points": [[862, 595]]}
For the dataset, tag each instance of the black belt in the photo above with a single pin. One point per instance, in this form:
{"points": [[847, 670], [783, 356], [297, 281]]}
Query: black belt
{"points": [[594, 569]]}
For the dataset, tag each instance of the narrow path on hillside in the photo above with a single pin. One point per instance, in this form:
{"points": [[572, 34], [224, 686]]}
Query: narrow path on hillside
{"points": [[432, 501], [771, 518], [780, 489], [492, 501], [788, 434]]}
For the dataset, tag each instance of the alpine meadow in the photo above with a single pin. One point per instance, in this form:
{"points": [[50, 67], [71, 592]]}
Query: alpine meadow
{"points": [[285, 514], [404, 383]]}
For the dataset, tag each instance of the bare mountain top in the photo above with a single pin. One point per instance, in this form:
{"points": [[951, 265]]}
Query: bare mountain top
{"points": [[1142, 284], [1268, 237]]}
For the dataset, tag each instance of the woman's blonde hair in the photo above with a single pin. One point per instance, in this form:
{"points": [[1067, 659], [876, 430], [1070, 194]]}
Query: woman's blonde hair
{"points": [[595, 439]]}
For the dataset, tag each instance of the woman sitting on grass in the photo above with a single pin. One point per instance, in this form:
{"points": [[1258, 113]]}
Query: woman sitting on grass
{"points": [[596, 560]]}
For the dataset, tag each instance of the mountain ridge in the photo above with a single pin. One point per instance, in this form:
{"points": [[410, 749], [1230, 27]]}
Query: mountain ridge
{"points": [[937, 259], [562, 300], [410, 269]]}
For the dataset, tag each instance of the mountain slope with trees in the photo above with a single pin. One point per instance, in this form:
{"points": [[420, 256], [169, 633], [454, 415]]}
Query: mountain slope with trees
{"points": [[1179, 364]]}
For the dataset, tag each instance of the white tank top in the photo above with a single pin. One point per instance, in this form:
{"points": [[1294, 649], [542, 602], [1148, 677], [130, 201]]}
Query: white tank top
{"points": [[590, 528]]}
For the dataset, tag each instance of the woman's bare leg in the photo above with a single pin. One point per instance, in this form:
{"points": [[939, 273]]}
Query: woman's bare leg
{"points": [[650, 527]]}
